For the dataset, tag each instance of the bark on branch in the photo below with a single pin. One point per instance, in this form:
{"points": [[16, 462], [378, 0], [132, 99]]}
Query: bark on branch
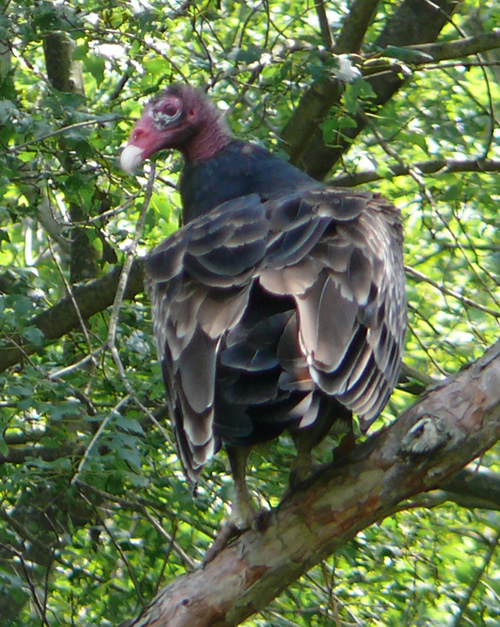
{"points": [[355, 26], [473, 487], [451, 425]]}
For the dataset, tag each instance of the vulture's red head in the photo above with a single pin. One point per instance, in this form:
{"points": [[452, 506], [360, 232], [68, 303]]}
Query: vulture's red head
{"points": [[180, 117]]}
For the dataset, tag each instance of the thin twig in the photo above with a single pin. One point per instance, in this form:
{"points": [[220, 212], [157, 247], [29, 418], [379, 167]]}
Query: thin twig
{"points": [[97, 435], [446, 290], [75, 305], [38, 604], [122, 282], [177, 548], [418, 178], [64, 129], [476, 580], [117, 303], [56, 374], [125, 559]]}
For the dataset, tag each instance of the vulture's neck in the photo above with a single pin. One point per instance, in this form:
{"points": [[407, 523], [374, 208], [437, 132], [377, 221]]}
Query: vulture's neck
{"points": [[237, 169], [210, 139]]}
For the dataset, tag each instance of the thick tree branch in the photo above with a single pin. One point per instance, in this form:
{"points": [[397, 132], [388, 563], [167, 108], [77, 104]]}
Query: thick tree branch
{"points": [[320, 97], [324, 26], [473, 487], [451, 425], [91, 298], [415, 22], [460, 48], [65, 74], [443, 166], [355, 26]]}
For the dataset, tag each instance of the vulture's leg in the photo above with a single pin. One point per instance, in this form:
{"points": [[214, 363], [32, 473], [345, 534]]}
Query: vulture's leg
{"points": [[332, 418], [242, 513], [302, 464]]}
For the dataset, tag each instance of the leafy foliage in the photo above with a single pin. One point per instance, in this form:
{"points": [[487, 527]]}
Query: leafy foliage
{"points": [[95, 513]]}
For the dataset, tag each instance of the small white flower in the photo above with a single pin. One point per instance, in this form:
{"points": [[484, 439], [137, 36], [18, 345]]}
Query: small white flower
{"points": [[111, 51], [347, 71]]}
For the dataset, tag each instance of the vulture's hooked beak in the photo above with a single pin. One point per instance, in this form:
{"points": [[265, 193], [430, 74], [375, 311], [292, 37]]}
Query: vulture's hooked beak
{"points": [[131, 158], [144, 141]]}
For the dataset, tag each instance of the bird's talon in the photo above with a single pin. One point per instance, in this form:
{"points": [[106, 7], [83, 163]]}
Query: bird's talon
{"points": [[229, 530]]}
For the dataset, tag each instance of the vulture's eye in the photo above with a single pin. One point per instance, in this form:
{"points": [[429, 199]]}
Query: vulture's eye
{"points": [[166, 112], [170, 109]]}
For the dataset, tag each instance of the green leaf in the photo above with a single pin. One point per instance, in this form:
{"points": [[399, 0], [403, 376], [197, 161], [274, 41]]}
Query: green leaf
{"points": [[330, 130], [453, 192], [21, 389], [4, 237], [22, 306], [34, 335], [418, 139], [249, 54], [128, 424], [96, 65], [356, 92]]}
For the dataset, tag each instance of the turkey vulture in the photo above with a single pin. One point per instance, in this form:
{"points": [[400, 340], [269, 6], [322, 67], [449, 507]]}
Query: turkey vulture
{"points": [[279, 305]]}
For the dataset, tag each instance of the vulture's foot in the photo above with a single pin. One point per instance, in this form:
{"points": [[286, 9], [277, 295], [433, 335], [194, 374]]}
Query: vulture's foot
{"points": [[243, 515], [298, 477], [234, 527], [230, 529]]}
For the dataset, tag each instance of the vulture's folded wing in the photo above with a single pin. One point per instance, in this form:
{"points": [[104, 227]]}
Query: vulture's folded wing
{"points": [[199, 281], [340, 258]]}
